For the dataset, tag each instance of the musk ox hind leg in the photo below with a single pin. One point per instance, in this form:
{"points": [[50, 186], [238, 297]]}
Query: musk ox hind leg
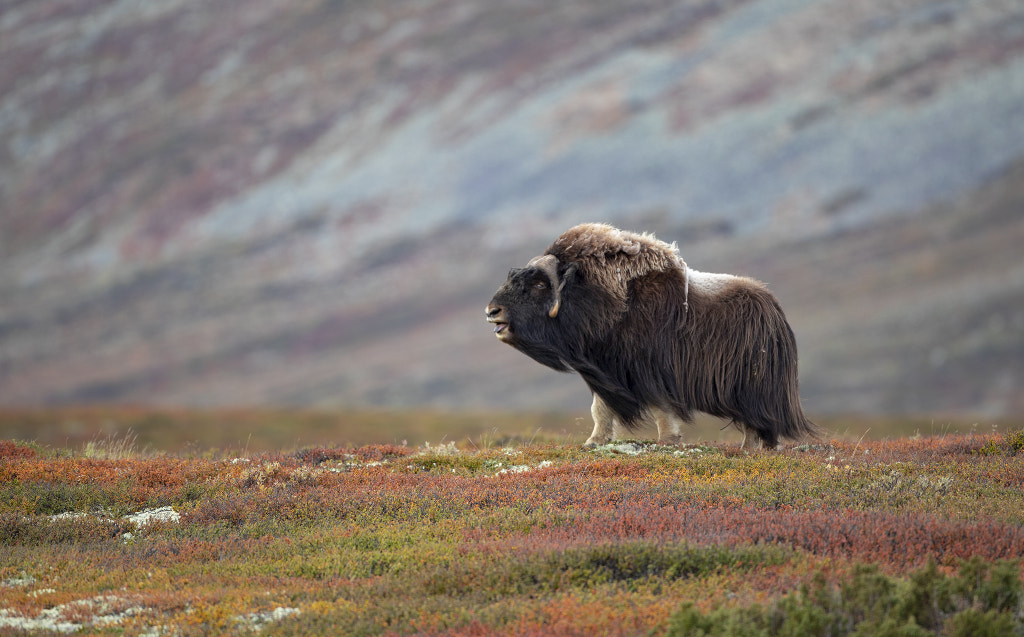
{"points": [[604, 423], [761, 439], [669, 426]]}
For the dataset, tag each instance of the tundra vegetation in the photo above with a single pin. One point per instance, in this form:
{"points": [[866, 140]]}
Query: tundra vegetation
{"points": [[908, 535]]}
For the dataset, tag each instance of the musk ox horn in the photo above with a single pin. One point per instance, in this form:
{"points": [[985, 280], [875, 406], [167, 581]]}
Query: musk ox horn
{"points": [[548, 264]]}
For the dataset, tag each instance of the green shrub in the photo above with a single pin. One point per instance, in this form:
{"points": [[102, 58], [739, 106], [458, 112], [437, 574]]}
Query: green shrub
{"points": [[1015, 441], [1011, 444], [983, 599]]}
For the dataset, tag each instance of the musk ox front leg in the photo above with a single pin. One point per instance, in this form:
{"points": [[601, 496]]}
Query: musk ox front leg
{"points": [[604, 423]]}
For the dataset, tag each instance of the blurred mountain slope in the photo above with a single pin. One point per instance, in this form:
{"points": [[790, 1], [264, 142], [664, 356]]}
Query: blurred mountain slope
{"points": [[261, 202]]}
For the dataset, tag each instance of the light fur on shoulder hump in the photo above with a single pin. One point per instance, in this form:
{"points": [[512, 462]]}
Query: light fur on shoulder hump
{"points": [[711, 283], [632, 255]]}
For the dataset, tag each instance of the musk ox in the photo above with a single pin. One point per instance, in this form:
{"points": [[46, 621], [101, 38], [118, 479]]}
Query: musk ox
{"points": [[653, 339]]}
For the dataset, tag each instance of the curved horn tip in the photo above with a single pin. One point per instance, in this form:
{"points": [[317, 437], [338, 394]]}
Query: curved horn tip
{"points": [[553, 312]]}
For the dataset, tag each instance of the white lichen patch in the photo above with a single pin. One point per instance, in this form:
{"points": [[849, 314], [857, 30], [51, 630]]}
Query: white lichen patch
{"points": [[345, 464], [258, 621], [149, 516], [309, 475], [896, 482], [522, 468], [23, 580], [140, 520], [691, 451], [105, 610], [46, 620], [628, 448], [634, 448], [443, 449], [67, 515], [624, 448]]}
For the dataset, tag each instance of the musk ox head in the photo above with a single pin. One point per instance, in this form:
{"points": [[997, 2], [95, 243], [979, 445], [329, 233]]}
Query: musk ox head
{"points": [[570, 299], [527, 310]]}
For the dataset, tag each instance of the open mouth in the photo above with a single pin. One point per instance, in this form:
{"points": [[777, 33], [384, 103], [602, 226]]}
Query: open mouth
{"points": [[496, 316]]}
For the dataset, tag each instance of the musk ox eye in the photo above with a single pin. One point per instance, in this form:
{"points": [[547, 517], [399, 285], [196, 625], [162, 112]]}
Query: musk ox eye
{"points": [[540, 285]]}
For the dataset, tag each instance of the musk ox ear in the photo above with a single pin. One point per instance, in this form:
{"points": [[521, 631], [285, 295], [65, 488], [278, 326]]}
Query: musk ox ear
{"points": [[548, 264]]}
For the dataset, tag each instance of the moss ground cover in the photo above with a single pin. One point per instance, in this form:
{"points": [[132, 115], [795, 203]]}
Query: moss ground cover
{"points": [[903, 536]]}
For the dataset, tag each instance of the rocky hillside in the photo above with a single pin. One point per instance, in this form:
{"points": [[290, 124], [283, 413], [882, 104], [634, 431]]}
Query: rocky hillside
{"points": [[258, 202]]}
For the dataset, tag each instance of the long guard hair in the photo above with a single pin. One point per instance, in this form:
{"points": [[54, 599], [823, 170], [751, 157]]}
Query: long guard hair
{"points": [[645, 331]]}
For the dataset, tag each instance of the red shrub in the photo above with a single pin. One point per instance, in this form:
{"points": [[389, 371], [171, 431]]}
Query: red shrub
{"points": [[904, 540], [10, 449]]}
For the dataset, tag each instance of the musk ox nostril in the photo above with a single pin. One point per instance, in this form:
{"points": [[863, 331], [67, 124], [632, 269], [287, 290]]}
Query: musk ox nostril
{"points": [[492, 311]]}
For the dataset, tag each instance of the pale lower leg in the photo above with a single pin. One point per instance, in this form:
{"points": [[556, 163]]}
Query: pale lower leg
{"points": [[669, 427], [604, 422]]}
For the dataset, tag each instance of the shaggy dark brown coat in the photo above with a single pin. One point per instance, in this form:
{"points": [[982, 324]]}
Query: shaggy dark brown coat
{"points": [[652, 338]]}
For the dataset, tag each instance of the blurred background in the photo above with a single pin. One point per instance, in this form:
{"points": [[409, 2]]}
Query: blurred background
{"points": [[307, 204]]}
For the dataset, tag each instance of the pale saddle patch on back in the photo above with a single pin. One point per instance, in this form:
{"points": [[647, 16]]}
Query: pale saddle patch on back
{"points": [[710, 283]]}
